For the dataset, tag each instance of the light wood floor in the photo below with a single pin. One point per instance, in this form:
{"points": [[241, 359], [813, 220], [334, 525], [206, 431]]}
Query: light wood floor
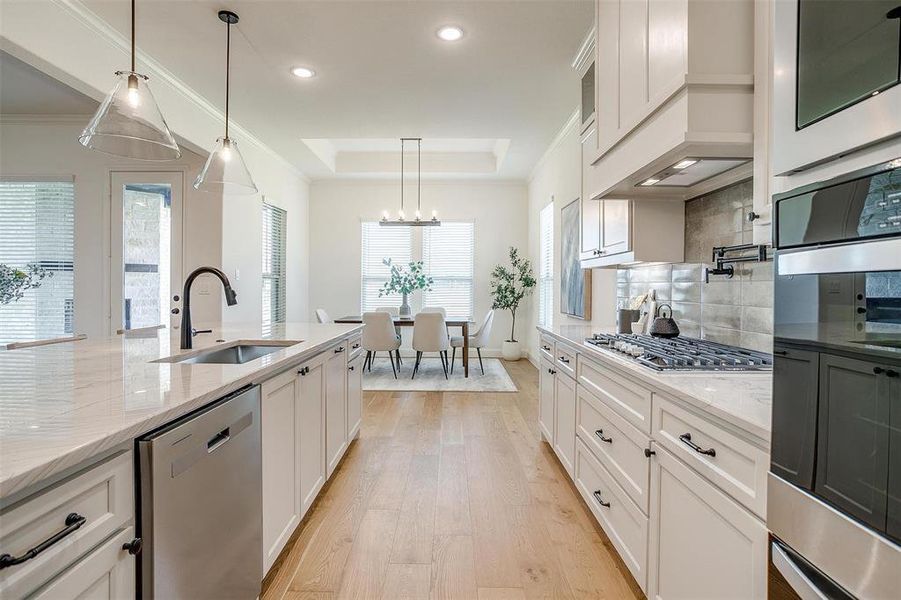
{"points": [[450, 495]]}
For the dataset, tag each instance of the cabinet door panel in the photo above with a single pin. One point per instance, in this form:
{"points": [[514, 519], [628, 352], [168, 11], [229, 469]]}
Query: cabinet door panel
{"points": [[633, 60], [354, 396], [853, 437], [607, 73], [565, 422], [615, 226], [591, 209], [335, 409], [667, 44], [281, 493], [702, 543], [311, 413], [546, 401], [795, 384], [893, 526]]}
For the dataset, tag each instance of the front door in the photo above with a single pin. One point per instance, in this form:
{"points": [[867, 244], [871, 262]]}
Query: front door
{"points": [[146, 248]]}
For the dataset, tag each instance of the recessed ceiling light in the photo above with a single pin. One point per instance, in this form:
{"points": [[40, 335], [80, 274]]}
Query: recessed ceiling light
{"points": [[450, 33], [650, 181], [303, 72], [684, 164]]}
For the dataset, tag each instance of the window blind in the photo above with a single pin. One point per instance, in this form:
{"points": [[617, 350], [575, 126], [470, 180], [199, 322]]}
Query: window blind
{"points": [[447, 254], [274, 242], [37, 226], [379, 243], [546, 265]]}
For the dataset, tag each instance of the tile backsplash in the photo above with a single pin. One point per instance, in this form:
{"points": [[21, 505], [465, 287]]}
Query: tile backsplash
{"points": [[737, 311]]}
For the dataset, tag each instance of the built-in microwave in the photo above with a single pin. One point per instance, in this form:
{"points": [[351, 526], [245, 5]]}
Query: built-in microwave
{"points": [[834, 493]]}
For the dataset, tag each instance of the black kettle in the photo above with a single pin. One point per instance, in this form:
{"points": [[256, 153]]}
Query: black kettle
{"points": [[664, 327]]}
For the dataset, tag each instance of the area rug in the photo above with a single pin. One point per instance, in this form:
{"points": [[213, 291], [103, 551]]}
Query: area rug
{"points": [[430, 377]]}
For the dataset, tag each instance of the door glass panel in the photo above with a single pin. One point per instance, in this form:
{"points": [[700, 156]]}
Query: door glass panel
{"points": [[146, 260]]}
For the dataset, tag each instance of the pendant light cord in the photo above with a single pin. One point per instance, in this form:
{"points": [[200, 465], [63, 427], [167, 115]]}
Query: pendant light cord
{"points": [[401, 175], [132, 36], [419, 180], [228, 48]]}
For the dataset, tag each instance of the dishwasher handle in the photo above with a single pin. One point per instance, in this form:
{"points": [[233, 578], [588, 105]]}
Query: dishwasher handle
{"points": [[217, 440]]}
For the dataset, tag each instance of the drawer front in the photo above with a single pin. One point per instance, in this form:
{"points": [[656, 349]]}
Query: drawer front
{"points": [[546, 346], [625, 525], [738, 467], [354, 347], [107, 573], [565, 422], [617, 444], [565, 360], [103, 496], [625, 397]]}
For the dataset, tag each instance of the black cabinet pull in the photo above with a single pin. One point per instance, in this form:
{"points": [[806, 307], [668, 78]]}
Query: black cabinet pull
{"points": [[304, 371], [546, 348], [861, 310], [686, 439], [878, 370], [552, 372], [597, 496], [780, 352], [350, 368], [648, 452], [600, 434], [355, 346], [564, 360], [73, 522], [339, 349], [134, 547], [891, 373]]}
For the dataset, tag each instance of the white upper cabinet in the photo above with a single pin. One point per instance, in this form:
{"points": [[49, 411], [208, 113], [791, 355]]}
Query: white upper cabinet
{"points": [[675, 80], [630, 231]]}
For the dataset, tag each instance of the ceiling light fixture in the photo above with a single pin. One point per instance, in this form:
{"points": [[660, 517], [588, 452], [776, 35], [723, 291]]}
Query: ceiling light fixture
{"points": [[650, 181], [401, 216], [684, 164], [128, 122], [225, 171], [450, 33], [303, 72]]}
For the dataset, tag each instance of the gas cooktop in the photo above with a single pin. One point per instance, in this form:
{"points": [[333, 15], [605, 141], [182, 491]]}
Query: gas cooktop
{"points": [[682, 353]]}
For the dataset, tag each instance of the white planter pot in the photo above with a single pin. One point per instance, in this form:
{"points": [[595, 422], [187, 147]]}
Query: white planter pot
{"points": [[512, 351]]}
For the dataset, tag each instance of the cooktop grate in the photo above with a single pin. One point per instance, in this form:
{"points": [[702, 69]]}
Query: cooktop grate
{"points": [[682, 353]]}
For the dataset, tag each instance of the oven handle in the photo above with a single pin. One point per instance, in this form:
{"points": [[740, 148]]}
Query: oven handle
{"points": [[796, 578]]}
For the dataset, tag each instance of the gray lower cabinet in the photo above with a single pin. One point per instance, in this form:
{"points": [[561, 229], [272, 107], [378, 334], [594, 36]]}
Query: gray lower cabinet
{"points": [[795, 384], [853, 437], [893, 524]]}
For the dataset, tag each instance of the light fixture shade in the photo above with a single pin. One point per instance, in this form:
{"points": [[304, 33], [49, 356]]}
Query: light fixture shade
{"points": [[130, 124], [225, 171]]}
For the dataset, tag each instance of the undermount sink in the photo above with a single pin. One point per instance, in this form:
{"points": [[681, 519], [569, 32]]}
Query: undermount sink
{"points": [[235, 354]]}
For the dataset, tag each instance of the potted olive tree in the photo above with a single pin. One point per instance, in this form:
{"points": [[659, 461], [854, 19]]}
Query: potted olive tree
{"points": [[405, 281], [509, 286]]}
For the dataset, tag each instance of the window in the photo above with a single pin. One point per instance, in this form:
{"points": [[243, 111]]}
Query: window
{"points": [[447, 254], [274, 236], [37, 227], [546, 265], [379, 243]]}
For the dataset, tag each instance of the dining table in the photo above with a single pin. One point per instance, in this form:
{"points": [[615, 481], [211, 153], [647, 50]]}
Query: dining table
{"points": [[461, 322]]}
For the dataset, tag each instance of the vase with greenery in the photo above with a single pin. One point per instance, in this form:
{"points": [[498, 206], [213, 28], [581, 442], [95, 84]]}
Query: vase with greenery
{"points": [[15, 282], [405, 281], [509, 287]]}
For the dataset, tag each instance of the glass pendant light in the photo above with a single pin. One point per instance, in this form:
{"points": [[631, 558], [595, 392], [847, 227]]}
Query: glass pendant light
{"points": [[225, 171], [128, 122]]}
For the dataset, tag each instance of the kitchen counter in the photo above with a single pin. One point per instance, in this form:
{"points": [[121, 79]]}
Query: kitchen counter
{"points": [[742, 399], [63, 404]]}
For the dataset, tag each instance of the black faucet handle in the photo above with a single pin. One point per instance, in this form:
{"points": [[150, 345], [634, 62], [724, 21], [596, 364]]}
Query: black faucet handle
{"points": [[196, 331]]}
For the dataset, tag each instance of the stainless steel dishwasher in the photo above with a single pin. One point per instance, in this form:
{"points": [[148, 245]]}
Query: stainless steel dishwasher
{"points": [[200, 503]]}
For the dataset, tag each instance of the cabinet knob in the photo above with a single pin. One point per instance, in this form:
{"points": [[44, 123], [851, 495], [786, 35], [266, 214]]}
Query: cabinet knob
{"points": [[134, 547], [350, 368], [648, 452], [878, 370], [175, 311], [892, 373], [339, 349]]}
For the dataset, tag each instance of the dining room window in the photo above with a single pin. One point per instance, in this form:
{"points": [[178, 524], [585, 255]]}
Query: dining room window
{"points": [[377, 244], [447, 255], [274, 240], [546, 265], [37, 244]]}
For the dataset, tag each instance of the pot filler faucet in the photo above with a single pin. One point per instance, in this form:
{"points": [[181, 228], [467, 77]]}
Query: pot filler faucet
{"points": [[231, 298]]}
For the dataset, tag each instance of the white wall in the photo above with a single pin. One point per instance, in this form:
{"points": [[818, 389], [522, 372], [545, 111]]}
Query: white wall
{"points": [[557, 178], [338, 207], [29, 147]]}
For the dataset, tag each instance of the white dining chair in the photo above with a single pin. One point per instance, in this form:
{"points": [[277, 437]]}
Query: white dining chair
{"points": [[393, 311], [436, 309], [430, 335], [322, 316], [477, 340], [379, 336]]}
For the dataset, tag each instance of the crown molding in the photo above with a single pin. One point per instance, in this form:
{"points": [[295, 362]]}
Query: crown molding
{"points": [[103, 29], [571, 122], [586, 51]]}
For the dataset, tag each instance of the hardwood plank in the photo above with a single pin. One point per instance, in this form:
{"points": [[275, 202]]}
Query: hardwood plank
{"points": [[501, 594], [453, 569], [541, 575], [308, 596], [452, 512], [391, 485], [416, 524], [365, 568], [407, 582]]}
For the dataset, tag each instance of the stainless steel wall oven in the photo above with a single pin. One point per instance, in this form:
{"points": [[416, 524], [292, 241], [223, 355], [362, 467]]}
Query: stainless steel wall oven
{"points": [[834, 499]]}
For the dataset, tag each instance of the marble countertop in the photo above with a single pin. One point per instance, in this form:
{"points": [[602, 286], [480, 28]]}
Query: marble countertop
{"points": [[62, 404], [744, 400]]}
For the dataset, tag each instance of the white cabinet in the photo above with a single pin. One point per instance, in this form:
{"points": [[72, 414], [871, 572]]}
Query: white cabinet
{"points": [[106, 573], [546, 400], [703, 544], [335, 407], [591, 208], [311, 410], [280, 423], [633, 230], [354, 396], [565, 421]]}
